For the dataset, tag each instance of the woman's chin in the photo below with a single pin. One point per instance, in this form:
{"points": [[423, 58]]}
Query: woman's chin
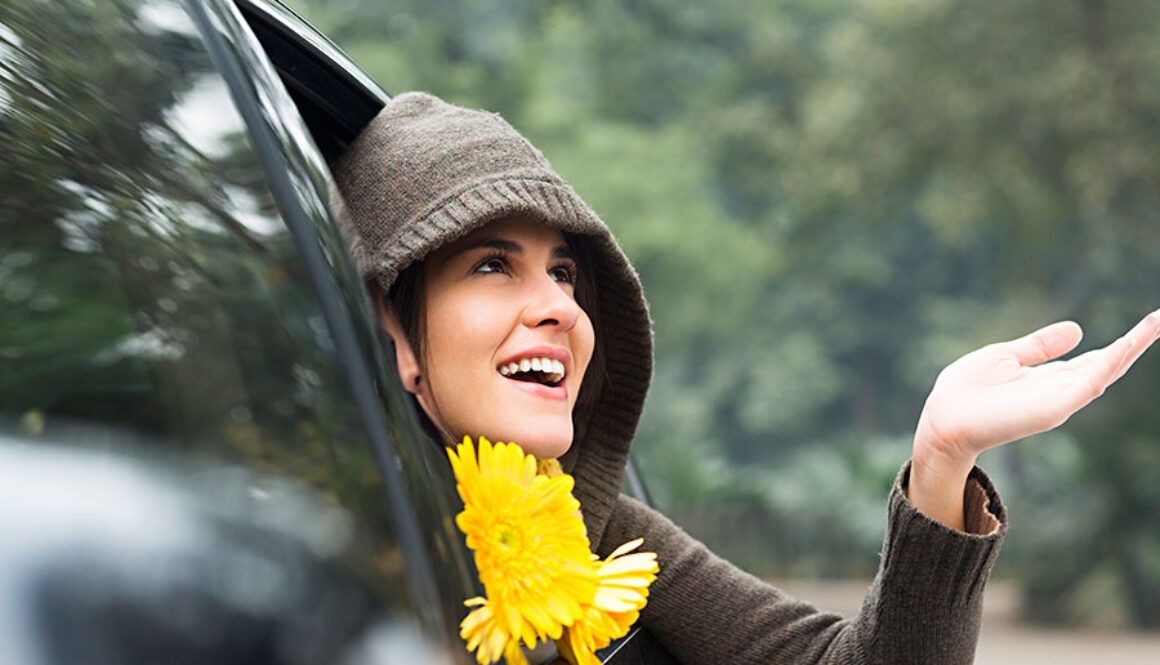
{"points": [[538, 442], [547, 449]]}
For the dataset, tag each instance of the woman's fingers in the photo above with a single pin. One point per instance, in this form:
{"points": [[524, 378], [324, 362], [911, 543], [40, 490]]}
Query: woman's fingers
{"points": [[1143, 335], [1095, 370], [1091, 373], [1044, 344]]}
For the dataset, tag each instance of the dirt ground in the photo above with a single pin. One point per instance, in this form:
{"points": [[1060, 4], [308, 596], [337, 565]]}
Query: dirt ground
{"points": [[1004, 640]]}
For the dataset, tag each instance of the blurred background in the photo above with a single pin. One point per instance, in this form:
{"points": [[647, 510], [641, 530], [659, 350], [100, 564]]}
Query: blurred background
{"points": [[828, 201]]}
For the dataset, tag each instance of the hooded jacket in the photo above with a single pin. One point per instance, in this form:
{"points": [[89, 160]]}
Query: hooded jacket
{"points": [[424, 173]]}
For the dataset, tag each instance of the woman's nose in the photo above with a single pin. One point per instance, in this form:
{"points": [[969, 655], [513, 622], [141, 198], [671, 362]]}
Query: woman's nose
{"points": [[551, 303]]}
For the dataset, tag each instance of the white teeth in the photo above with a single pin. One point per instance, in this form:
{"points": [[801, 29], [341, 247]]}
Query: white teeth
{"points": [[553, 368]]}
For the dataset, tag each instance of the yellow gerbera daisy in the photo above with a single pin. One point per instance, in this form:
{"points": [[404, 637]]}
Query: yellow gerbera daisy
{"points": [[622, 592], [530, 549], [484, 635]]}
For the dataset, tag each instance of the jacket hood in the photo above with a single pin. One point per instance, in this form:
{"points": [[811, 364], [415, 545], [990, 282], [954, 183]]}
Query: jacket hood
{"points": [[425, 172]]}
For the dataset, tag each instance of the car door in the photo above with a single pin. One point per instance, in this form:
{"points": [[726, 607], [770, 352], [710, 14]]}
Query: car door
{"points": [[178, 317]]}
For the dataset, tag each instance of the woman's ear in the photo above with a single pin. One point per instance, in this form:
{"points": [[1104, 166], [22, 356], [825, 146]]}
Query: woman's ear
{"points": [[406, 361]]}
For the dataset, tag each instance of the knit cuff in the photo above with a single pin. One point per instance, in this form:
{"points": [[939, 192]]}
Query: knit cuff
{"points": [[977, 516], [951, 565]]}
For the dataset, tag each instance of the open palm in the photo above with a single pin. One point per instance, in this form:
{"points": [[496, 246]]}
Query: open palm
{"points": [[1007, 391]]}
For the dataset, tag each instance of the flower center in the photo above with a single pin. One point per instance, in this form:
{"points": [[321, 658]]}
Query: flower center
{"points": [[507, 555], [508, 539]]}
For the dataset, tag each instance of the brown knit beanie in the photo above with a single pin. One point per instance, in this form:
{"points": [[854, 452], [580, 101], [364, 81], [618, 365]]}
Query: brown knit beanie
{"points": [[424, 173]]}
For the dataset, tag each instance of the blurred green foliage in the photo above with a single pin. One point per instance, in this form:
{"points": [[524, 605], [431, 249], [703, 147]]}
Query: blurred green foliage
{"points": [[829, 201]]}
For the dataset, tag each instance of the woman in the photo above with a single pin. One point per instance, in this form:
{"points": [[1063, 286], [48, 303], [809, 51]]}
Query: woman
{"points": [[515, 316]]}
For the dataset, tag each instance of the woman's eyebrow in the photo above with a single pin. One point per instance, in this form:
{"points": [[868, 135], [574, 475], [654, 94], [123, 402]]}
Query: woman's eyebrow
{"points": [[499, 244], [513, 247]]}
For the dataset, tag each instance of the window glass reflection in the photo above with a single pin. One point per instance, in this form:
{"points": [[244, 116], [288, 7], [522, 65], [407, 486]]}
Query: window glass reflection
{"points": [[149, 292]]}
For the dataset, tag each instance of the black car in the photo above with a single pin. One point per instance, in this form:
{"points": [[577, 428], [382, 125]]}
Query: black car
{"points": [[205, 455]]}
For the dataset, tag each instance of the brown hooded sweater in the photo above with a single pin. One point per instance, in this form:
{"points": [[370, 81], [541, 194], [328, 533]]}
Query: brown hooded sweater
{"points": [[424, 173]]}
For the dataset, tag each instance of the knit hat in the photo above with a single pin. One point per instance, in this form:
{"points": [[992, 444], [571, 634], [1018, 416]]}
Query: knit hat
{"points": [[424, 173]]}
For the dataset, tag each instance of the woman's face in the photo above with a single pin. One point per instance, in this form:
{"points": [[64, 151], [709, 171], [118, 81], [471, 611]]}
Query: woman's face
{"points": [[505, 343]]}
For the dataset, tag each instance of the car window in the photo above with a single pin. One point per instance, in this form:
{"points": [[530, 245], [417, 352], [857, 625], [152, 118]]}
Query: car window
{"points": [[151, 300]]}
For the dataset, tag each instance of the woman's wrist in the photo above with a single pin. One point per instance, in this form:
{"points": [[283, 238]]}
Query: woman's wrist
{"points": [[937, 483]]}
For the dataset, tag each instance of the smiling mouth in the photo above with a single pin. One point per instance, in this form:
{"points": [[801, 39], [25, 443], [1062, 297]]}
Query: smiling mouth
{"points": [[544, 371]]}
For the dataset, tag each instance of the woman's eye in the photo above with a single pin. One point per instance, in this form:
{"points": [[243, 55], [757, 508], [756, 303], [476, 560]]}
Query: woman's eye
{"points": [[563, 274], [492, 265]]}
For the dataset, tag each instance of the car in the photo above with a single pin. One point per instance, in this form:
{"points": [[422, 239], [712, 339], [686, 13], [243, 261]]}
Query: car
{"points": [[205, 453]]}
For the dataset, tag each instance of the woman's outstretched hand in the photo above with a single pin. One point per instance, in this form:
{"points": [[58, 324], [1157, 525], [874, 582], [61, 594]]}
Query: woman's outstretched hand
{"points": [[1002, 393]]}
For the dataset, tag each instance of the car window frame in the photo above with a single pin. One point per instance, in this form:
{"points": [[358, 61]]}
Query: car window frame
{"points": [[297, 176]]}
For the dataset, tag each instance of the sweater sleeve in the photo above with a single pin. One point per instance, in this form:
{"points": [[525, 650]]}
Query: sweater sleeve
{"points": [[923, 607]]}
